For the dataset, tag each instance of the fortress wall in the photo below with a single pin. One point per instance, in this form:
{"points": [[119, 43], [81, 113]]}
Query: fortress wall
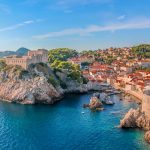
{"points": [[138, 95], [146, 105], [32, 58], [17, 61], [143, 97]]}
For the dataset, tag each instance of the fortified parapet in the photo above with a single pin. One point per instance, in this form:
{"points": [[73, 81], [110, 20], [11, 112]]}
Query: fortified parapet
{"points": [[146, 102], [33, 57]]}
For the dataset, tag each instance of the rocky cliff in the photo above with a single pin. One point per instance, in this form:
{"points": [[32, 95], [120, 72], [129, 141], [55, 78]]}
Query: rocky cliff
{"points": [[37, 85], [139, 118]]}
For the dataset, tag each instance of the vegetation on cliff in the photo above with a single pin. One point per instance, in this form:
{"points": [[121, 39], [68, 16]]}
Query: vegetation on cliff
{"points": [[57, 60], [2, 65], [61, 54], [72, 70]]}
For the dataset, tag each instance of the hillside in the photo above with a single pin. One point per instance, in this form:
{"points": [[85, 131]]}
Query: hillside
{"points": [[21, 51], [142, 50]]}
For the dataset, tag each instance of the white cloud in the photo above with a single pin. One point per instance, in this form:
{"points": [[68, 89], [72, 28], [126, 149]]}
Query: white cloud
{"points": [[19, 25], [142, 24], [29, 22], [121, 17]]}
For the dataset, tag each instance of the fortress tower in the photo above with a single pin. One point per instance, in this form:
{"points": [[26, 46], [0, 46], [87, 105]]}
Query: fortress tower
{"points": [[33, 57]]}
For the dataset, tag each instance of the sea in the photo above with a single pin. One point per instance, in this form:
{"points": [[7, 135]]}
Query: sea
{"points": [[66, 125]]}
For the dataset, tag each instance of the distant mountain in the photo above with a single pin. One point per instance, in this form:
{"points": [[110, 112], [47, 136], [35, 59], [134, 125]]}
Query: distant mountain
{"points": [[20, 52]]}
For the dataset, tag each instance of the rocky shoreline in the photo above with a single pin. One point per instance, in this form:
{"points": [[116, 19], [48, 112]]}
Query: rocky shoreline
{"points": [[135, 118], [140, 117]]}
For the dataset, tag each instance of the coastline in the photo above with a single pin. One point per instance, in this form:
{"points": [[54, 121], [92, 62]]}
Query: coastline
{"points": [[139, 96], [140, 117]]}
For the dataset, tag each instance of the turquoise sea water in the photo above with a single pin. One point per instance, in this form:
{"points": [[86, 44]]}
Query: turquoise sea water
{"points": [[62, 126]]}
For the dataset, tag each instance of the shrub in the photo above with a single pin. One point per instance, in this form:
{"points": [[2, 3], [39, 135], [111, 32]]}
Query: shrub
{"points": [[63, 84], [61, 54], [2, 65], [52, 81], [85, 80]]}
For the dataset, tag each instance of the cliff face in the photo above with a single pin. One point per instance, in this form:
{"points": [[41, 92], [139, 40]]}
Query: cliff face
{"points": [[26, 87], [71, 86], [135, 118], [37, 85], [36, 90], [139, 118]]}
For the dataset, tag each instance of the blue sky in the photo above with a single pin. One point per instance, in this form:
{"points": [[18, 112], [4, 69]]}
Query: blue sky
{"points": [[78, 24]]}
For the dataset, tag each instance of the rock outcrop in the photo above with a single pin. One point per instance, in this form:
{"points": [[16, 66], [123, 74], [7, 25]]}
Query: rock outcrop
{"points": [[71, 86], [135, 118], [147, 137], [130, 119], [139, 118], [94, 104], [37, 85], [19, 86]]}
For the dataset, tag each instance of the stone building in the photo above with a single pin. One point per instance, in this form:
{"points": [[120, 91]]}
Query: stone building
{"points": [[33, 57]]}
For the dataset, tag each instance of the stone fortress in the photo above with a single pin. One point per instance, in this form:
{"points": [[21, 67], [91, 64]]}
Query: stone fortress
{"points": [[33, 57]]}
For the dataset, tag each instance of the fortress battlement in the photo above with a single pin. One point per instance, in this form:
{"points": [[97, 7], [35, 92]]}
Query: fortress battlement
{"points": [[33, 57]]}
